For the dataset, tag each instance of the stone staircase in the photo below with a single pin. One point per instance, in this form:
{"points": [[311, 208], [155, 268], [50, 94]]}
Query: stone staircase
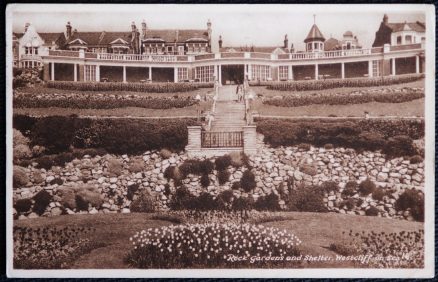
{"points": [[229, 116]]}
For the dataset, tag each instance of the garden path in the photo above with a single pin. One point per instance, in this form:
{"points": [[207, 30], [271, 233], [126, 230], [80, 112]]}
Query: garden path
{"points": [[229, 113]]}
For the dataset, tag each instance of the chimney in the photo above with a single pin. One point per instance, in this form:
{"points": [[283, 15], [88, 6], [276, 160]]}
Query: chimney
{"points": [[26, 26], [385, 18], [143, 28], [68, 30], [220, 41], [292, 49], [209, 31], [286, 41]]}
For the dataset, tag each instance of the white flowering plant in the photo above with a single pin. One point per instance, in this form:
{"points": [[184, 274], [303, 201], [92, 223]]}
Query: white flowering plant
{"points": [[213, 245]]}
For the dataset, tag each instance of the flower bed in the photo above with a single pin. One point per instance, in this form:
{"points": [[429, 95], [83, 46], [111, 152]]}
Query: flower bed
{"points": [[394, 250], [387, 95], [50, 248], [97, 101], [120, 86], [212, 245], [336, 83]]}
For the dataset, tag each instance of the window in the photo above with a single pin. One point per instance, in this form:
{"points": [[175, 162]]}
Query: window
{"points": [[180, 50], [183, 74], [170, 49], [260, 72], [423, 39], [376, 68], [204, 74], [35, 50], [408, 39], [283, 72], [315, 46], [203, 49], [90, 73], [309, 46], [399, 40], [26, 50]]}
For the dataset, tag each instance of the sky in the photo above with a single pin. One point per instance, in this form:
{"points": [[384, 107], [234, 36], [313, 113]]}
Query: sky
{"points": [[239, 25]]}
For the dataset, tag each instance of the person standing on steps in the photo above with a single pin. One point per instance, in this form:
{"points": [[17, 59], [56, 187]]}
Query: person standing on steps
{"points": [[216, 87]]}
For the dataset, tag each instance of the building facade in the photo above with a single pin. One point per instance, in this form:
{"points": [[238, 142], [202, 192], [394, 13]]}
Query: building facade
{"points": [[399, 33], [185, 55]]}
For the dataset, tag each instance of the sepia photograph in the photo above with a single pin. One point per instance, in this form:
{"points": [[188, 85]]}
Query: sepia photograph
{"points": [[220, 140]]}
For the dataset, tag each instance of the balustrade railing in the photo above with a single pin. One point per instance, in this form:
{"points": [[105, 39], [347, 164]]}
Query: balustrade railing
{"points": [[219, 139], [31, 57], [250, 55]]}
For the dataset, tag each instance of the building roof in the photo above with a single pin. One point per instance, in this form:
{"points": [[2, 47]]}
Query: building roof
{"points": [[348, 33], [417, 26], [176, 35], [17, 35], [314, 34], [259, 49], [100, 38], [50, 37], [331, 44]]}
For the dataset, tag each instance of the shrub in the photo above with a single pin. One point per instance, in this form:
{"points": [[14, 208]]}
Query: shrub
{"points": [[307, 199], [223, 162], [120, 86], [19, 138], [165, 153], [68, 197], [223, 176], [144, 203], [243, 203], [88, 196], [308, 169], [330, 186], [203, 202], [136, 165], [20, 177], [115, 167], [400, 145], [372, 211], [378, 194], [131, 191], [268, 202], [38, 150], [169, 172], [45, 162], [414, 200], [416, 159], [247, 182], [21, 152], [350, 204], [57, 181], [206, 167], [367, 187], [205, 180], [236, 185], [181, 199], [236, 159], [23, 205], [336, 83], [304, 146], [350, 188], [328, 146], [225, 199], [342, 249], [42, 200], [37, 177], [371, 140]]}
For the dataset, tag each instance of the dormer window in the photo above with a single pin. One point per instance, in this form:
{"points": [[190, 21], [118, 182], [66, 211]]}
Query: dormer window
{"points": [[399, 40], [408, 39]]}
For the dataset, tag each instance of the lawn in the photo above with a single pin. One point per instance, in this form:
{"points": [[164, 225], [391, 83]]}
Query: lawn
{"points": [[317, 231], [406, 109]]}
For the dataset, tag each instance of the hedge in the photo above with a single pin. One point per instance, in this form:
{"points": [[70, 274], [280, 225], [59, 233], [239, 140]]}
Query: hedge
{"points": [[337, 83], [120, 86], [356, 134], [90, 102], [120, 136], [345, 99]]}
